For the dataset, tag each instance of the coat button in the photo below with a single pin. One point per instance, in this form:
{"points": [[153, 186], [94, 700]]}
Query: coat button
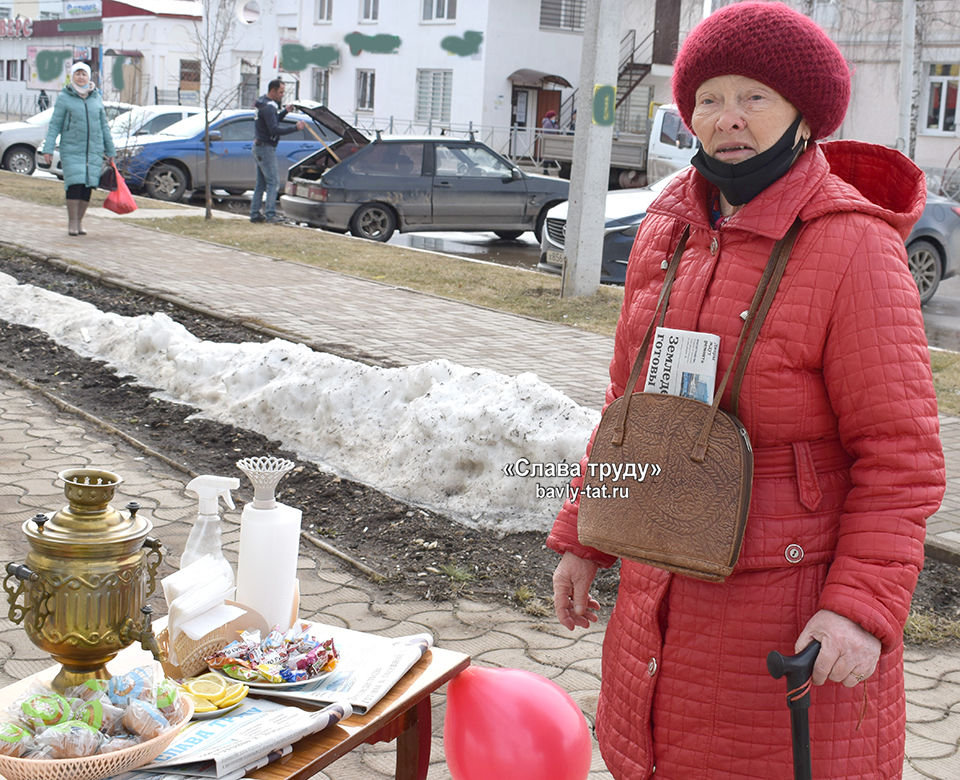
{"points": [[652, 667], [793, 553], [714, 246]]}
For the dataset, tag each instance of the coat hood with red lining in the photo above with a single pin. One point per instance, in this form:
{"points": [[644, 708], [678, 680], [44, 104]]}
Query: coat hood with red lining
{"points": [[836, 177]]}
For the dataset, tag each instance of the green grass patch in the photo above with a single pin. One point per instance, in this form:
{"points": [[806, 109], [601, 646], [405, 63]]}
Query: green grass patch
{"points": [[50, 192], [946, 380], [924, 628], [509, 289]]}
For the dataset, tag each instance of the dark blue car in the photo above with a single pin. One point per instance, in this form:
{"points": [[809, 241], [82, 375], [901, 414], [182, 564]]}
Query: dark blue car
{"points": [[171, 163]]}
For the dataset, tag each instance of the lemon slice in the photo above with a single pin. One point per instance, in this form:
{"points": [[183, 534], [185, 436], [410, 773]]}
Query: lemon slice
{"points": [[213, 677], [207, 689], [232, 695], [200, 704]]}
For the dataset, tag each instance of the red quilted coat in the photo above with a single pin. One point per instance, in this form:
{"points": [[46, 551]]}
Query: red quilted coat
{"points": [[839, 404]]}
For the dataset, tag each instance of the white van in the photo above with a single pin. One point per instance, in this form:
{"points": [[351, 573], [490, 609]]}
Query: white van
{"points": [[671, 145]]}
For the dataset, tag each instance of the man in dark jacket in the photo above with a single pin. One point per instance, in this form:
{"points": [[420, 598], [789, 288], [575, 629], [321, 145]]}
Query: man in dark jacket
{"points": [[266, 135]]}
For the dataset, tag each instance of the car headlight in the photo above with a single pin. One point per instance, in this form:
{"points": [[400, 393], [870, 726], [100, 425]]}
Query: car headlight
{"points": [[631, 231], [128, 151]]}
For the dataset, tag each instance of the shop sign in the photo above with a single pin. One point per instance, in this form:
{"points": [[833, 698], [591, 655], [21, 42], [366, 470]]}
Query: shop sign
{"points": [[76, 9], [16, 28]]}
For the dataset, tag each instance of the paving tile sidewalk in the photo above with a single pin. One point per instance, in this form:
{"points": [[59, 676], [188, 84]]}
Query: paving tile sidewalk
{"points": [[403, 327]]}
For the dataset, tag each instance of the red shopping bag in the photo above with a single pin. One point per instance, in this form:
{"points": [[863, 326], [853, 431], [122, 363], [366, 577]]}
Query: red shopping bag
{"points": [[120, 200]]}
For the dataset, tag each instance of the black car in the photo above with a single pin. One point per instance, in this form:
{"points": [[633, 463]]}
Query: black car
{"points": [[408, 183]]}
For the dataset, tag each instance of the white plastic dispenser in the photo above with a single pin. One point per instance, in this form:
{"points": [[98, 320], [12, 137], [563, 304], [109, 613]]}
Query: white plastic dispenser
{"points": [[269, 545], [205, 537]]}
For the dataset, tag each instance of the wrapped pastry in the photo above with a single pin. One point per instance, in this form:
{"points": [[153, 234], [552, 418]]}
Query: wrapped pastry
{"points": [[144, 720], [137, 684], [112, 744], [41, 710], [15, 740], [73, 739]]}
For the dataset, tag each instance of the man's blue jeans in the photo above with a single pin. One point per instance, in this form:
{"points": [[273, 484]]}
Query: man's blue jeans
{"points": [[266, 157]]}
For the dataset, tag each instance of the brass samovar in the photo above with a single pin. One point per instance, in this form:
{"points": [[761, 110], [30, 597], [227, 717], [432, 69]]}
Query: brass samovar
{"points": [[86, 579]]}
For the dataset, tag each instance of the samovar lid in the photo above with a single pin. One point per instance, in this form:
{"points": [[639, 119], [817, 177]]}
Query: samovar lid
{"points": [[89, 517]]}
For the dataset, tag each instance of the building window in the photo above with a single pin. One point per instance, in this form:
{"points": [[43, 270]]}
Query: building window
{"points": [[942, 102], [324, 10], [434, 88], [321, 85], [365, 87], [369, 10], [6, 12], [13, 70], [439, 10], [562, 14], [24, 70], [190, 74]]}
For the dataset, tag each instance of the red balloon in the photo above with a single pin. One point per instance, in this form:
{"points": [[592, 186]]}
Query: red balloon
{"points": [[508, 723]]}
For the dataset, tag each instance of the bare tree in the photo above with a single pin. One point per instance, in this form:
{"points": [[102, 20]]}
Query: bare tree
{"points": [[215, 33]]}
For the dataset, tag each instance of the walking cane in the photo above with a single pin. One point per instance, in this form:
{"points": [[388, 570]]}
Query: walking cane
{"points": [[798, 669]]}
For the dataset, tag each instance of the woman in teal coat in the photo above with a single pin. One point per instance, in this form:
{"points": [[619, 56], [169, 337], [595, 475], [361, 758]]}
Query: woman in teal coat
{"points": [[81, 123]]}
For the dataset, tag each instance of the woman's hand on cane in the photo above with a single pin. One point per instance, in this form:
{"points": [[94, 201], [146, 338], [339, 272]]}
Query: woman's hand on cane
{"points": [[848, 653], [571, 592]]}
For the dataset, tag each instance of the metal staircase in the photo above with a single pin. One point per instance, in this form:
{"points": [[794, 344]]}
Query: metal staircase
{"points": [[633, 67]]}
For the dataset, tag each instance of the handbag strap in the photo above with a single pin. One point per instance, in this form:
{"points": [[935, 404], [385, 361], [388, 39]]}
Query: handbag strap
{"points": [[645, 342], [759, 306]]}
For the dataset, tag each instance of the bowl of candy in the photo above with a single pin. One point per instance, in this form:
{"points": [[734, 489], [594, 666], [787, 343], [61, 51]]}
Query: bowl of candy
{"points": [[281, 659], [95, 730]]}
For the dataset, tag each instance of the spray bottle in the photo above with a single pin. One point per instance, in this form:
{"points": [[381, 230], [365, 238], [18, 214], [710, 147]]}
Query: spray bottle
{"points": [[204, 538], [269, 546]]}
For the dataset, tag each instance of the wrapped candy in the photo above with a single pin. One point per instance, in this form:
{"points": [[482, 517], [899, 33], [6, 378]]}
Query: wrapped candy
{"points": [[281, 657]]}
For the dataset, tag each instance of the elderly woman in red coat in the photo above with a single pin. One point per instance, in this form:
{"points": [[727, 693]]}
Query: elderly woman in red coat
{"points": [[839, 405]]}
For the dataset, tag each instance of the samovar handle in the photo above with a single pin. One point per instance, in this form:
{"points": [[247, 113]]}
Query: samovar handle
{"points": [[153, 557], [23, 574]]}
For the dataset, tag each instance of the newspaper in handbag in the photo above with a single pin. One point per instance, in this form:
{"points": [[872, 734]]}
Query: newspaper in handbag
{"points": [[669, 477]]}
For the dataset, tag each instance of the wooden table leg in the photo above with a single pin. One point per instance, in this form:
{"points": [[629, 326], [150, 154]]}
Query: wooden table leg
{"points": [[412, 731], [413, 744]]}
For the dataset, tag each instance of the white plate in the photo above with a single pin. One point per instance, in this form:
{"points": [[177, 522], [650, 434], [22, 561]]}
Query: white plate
{"points": [[263, 685], [217, 713]]}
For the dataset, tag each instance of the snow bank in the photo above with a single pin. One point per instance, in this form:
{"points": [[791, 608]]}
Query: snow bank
{"points": [[435, 434]]}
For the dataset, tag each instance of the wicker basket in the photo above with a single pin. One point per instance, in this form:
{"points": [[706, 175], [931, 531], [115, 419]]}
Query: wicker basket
{"points": [[191, 655], [95, 767]]}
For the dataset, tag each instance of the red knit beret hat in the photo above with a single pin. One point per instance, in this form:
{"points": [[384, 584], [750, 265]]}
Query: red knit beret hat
{"points": [[775, 45]]}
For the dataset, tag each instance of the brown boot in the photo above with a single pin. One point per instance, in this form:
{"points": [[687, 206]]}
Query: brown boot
{"points": [[73, 210], [81, 210]]}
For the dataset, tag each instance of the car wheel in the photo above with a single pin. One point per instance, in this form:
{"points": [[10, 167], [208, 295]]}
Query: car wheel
{"points": [[20, 159], [508, 235], [541, 219], [166, 182], [926, 267], [373, 221], [234, 191]]}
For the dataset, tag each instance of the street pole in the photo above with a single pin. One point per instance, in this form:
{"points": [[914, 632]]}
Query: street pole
{"points": [[596, 95], [908, 30]]}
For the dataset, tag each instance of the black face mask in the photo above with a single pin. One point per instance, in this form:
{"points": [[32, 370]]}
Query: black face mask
{"points": [[741, 182]]}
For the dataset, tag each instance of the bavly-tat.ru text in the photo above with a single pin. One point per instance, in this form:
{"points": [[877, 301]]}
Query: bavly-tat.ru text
{"points": [[571, 493]]}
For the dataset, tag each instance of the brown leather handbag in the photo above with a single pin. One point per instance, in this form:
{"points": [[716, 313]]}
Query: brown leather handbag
{"points": [[683, 469]]}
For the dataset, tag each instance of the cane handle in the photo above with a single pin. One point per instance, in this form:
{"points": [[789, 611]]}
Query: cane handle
{"points": [[798, 670]]}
